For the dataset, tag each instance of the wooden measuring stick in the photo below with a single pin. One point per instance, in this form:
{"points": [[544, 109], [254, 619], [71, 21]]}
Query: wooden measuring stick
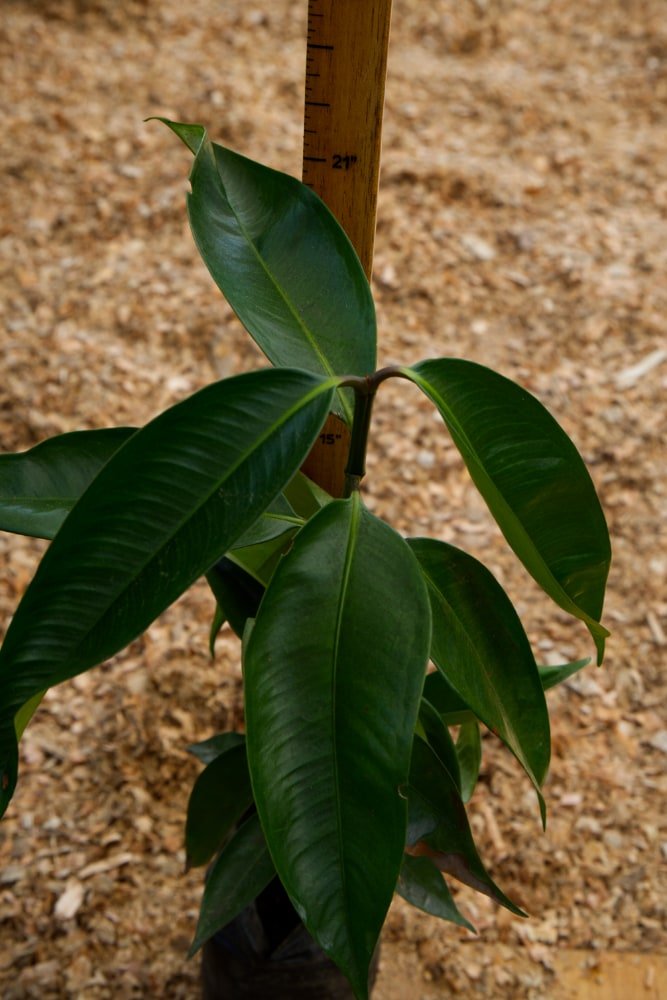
{"points": [[346, 66]]}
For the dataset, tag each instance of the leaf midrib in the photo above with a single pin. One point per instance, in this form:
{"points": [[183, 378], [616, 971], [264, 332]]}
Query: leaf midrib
{"points": [[355, 517], [274, 281], [111, 603], [566, 601], [62, 500], [259, 442], [509, 728]]}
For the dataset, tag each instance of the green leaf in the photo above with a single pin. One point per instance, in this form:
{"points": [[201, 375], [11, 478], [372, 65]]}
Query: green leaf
{"points": [[237, 592], [160, 513], [305, 496], [469, 753], [449, 705], [439, 825], [26, 712], [241, 871], [453, 709], [39, 487], [532, 478], [282, 261], [551, 676], [219, 797], [260, 561], [217, 622], [209, 749], [333, 671], [191, 135], [422, 884], [480, 646], [438, 738], [274, 522]]}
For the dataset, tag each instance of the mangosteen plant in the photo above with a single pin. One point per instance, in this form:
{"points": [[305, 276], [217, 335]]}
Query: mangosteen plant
{"points": [[348, 782]]}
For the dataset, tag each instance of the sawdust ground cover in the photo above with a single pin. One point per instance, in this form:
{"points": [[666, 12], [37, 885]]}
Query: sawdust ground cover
{"points": [[522, 225]]}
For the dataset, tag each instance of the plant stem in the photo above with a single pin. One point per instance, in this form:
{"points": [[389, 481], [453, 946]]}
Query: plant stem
{"points": [[356, 459], [364, 388]]}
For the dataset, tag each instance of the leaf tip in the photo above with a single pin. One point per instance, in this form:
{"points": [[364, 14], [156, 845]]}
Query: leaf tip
{"points": [[191, 135], [543, 809], [468, 926], [8, 774], [600, 640], [194, 947]]}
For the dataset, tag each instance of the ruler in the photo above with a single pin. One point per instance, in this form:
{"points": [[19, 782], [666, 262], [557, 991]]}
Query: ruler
{"points": [[346, 67]]}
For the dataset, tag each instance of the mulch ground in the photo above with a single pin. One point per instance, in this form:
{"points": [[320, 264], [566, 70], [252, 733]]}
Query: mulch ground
{"points": [[521, 225]]}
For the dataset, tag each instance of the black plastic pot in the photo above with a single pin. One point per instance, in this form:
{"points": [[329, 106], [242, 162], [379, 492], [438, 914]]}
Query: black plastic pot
{"points": [[267, 954]]}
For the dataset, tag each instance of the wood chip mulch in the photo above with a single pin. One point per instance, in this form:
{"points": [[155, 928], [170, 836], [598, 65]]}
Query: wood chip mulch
{"points": [[522, 225]]}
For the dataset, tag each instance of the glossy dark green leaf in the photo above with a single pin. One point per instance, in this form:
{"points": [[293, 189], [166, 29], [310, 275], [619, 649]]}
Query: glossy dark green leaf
{"points": [[39, 487], [241, 871], [469, 753], [532, 478], [421, 883], [219, 797], [438, 825], [237, 592], [26, 712], [333, 674], [436, 734], [453, 709], [217, 622], [480, 646], [160, 513], [551, 676], [305, 496], [282, 261], [276, 521], [450, 705], [209, 749], [260, 561]]}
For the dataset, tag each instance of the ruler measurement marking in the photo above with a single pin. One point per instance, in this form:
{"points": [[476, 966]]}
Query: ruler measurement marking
{"points": [[315, 52], [345, 62]]}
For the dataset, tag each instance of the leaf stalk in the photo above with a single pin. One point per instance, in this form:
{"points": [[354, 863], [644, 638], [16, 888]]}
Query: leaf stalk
{"points": [[364, 388]]}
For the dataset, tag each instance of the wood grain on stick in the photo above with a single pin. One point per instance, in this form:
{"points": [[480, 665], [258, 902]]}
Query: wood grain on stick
{"points": [[346, 67]]}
